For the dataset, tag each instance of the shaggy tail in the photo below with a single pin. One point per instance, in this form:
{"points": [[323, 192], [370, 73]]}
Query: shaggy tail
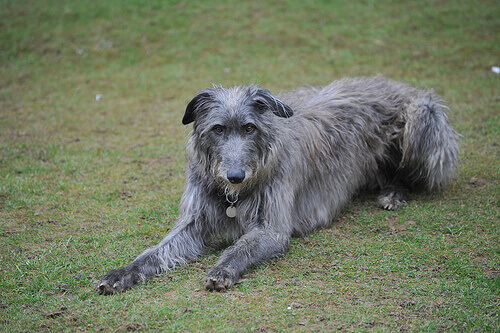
{"points": [[430, 145]]}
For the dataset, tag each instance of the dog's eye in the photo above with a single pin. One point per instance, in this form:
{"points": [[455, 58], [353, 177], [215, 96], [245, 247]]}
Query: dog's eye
{"points": [[218, 129], [249, 128]]}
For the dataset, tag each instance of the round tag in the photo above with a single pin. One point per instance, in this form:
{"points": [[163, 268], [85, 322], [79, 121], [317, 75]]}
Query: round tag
{"points": [[231, 211]]}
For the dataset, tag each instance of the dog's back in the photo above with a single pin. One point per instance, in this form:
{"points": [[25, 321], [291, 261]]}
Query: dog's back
{"points": [[373, 133]]}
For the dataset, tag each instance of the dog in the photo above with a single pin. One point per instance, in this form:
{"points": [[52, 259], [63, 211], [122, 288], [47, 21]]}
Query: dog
{"points": [[263, 168]]}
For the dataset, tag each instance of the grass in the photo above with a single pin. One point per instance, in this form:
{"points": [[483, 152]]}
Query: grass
{"points": [[87, 184]]}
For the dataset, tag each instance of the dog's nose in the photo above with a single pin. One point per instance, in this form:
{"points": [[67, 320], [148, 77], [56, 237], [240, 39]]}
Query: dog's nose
{"points": [[236, 176]]}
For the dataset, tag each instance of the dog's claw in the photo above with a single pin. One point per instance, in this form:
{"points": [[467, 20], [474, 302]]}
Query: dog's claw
{"points": [[104, 289], [392, 200], [220, 279], [117, 281], [212, 284]]}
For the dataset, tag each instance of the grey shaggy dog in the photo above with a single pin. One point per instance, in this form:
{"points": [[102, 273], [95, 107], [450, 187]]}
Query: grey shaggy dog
{"points": [[264, 168]]}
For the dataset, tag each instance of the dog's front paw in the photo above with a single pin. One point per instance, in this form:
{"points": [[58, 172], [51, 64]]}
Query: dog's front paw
{"points": [[118, 280], [220, 279]]}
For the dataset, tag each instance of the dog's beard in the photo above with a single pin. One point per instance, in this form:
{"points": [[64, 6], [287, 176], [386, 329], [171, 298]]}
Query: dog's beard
{"points": [[229, 188]]}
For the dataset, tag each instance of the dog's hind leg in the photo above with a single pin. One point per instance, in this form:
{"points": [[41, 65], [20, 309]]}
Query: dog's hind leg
{"points": [[256, 246], [182, 244], [427, 156], [394, 192]]}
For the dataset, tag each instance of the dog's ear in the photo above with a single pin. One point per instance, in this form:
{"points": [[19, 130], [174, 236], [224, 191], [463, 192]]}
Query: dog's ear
{"points": [[264, 100], [194, 106]]}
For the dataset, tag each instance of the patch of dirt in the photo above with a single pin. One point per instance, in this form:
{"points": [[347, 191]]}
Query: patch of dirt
{"points": [[54, 314], [393, 227], [406, 303], [8, 233], [476, 182], [42, 223], [130, 327], [492, 273]]}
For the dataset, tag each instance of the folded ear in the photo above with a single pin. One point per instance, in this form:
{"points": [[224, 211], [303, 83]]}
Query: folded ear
{"points": [[195, 106], [265, 100]]}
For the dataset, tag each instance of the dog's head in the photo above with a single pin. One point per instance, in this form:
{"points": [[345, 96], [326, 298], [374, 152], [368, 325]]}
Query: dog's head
{"points": [[233, 131]]}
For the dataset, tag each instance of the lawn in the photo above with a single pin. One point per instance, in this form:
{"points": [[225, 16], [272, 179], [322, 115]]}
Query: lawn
{"points": [[92, 95]]}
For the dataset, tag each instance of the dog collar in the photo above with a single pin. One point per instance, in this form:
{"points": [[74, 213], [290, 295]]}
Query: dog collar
{"points": [[231, 210]]}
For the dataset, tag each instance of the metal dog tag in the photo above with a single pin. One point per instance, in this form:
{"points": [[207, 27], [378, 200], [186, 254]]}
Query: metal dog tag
{"points": [[231, 211]]}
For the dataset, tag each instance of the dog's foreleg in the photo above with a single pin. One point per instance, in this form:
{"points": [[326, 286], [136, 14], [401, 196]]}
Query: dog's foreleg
{"points": [[182, 244], [256, 246]]}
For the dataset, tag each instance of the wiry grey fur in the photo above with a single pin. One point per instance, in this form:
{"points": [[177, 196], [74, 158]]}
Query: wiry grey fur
{"points": [[292, 162]]}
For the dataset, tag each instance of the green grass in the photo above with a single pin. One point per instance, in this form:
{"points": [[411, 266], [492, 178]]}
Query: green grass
{"points": [[86, 185]]}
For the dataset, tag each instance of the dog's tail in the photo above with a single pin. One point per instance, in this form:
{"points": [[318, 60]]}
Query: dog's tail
{"points": [[430, 146]]}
